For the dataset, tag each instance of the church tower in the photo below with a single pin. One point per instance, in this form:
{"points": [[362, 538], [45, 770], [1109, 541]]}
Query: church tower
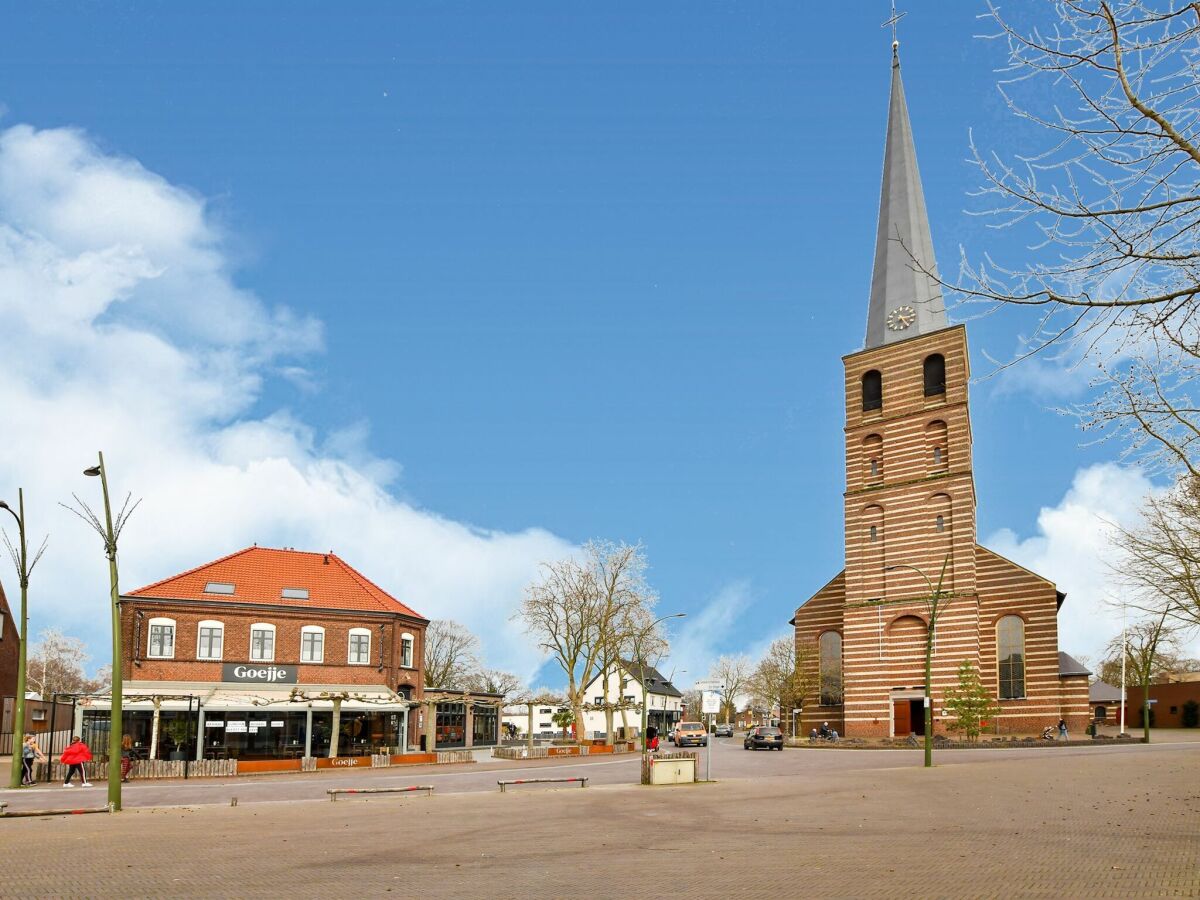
{"points": [[909, 511]]}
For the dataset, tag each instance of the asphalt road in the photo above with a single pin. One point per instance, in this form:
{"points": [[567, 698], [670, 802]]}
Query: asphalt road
{"points": [[729, 761]]}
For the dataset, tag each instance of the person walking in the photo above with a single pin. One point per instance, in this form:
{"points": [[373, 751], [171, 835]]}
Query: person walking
{"points": [[126, 757], [75, 756], [1062, 729], [31, 754]]}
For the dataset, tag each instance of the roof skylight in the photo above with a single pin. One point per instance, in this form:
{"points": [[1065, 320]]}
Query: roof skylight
{"points": [[218, 587], [294, 593]]}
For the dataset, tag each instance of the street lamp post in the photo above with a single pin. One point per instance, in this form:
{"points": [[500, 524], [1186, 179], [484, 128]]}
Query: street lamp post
{"points": [[114, 727], [935, 602], [642, 673], [20, 555]]}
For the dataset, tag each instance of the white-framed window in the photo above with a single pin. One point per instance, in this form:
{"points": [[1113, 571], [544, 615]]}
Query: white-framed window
{"points": [[406, 650], [312, 644], [262, 642], [359, 653], [210, 639], [161, 639]]}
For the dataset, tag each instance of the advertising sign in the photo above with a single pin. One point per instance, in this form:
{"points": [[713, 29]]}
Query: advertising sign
{"points": [[258, 673]]}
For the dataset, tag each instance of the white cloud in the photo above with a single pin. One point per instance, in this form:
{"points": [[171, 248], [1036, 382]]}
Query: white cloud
{"points": [[122, 328], [1072, 548]]}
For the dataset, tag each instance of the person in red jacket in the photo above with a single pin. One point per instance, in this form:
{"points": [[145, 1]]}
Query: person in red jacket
{"points": [[75, 756]]}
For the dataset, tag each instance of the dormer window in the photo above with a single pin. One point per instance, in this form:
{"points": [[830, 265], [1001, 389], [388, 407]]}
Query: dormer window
{"points": [[294, 593], [218, 587]]}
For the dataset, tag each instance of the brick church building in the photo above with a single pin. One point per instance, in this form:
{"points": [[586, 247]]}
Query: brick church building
{"points": [[910, 509]]}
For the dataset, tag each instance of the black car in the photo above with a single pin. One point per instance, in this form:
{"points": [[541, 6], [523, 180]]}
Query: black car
{"points": [[763, 736]]}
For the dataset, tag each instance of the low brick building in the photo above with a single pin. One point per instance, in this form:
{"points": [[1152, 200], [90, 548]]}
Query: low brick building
{"points": [[1168, 704], [267, 654]]}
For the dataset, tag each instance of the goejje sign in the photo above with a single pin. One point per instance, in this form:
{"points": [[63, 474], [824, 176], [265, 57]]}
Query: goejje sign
{"points": [[249, 673]]}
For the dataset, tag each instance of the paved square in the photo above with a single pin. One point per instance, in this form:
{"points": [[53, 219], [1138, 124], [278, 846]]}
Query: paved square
{"points": [[1116, 822]]}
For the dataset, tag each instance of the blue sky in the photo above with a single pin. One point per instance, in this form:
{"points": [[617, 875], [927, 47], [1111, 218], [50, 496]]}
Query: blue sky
{"points": [[551, 271]]}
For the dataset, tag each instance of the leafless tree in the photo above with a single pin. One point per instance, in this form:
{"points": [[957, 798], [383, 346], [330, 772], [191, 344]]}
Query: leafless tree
{"points": [[734, 674], [783, 677], [1146, 641], [495, 681], [1109, 208], [579, 605], [56, 666], [451, 654], [1159, 561]]}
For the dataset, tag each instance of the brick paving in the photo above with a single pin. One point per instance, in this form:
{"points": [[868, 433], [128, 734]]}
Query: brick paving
{"points": [[1095, 824]]}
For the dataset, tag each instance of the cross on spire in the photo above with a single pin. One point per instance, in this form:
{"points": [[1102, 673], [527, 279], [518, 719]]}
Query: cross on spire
{"points": [[894, 21]]}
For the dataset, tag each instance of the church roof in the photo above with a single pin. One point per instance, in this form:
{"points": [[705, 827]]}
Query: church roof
{"points": [[1103, 692], [903, 243], [1069, 665]]}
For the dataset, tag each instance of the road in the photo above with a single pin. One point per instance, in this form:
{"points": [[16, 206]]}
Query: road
{"points": [[729, 761]]}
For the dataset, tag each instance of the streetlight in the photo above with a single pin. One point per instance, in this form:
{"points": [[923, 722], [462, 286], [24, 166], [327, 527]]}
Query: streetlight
{"points": [[20, 557], [935, 599], [642, 667], [110, 550]]}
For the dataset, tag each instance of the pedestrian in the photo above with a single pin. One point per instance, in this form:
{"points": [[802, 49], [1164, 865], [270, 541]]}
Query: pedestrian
{"points": [[1062, 729], [126, 757], [75, 756], [31, 754]]}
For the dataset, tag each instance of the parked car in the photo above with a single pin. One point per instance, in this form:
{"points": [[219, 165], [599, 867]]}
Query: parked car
{"points": [[763, 736], [690, 733], [724, 729]]}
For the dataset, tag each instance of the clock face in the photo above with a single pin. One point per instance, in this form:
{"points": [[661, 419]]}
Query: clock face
{"points": [[901, 317]]}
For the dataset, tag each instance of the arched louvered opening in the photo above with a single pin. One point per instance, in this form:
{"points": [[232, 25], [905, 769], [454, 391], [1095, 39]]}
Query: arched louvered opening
{"points": [[935, 375], [872, 390]]}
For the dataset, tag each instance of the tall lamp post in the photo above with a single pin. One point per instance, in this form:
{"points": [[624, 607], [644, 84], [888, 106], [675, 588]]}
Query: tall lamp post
{"points": [[20, 555], [114, 727], [935, 603], [642, 667]]}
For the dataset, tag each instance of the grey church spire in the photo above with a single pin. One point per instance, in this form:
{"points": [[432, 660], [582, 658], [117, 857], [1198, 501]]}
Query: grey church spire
{"points": [[904, 300]]}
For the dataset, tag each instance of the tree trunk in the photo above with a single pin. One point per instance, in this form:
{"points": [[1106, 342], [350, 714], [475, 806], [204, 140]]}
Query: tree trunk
{"points": [[529, 737], [608, 725], [1146, 708], [154, 728], [577, 711], [337, 727]]}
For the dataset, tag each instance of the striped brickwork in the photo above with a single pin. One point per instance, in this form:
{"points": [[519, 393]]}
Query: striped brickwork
{"points": [[910, 500]]}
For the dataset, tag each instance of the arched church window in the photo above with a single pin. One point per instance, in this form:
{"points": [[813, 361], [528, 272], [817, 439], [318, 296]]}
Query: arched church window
{"points": [[935, 375], [830, 651], [872, 390], [1010, 651]]}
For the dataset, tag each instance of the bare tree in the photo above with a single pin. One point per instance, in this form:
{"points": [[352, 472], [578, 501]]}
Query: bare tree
{"points": [[1110, 208], [1144, 640], [495, 681], [451, 654], [734, 674], [578, 606], [56, 666], [1160, 556], [784, 677]]}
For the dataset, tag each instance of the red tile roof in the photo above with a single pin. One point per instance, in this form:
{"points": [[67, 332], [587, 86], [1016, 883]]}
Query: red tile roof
{"points": [[260, 574]]}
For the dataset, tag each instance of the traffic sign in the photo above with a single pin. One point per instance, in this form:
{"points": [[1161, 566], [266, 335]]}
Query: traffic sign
{"points": [[710, 702], [709, 685]]}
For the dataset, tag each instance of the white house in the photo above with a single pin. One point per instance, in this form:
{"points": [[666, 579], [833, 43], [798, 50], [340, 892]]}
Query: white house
{"points": [[622, 685], [517, 716]]}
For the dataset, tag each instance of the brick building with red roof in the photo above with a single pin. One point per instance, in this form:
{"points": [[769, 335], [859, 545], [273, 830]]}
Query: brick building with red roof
{"points": [[269, 654]]}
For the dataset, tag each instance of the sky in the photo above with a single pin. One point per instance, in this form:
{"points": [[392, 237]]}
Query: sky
{"points": [[452, 287]]}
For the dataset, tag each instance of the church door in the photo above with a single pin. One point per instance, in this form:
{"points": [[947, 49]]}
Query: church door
{"points": [[902, 718]]}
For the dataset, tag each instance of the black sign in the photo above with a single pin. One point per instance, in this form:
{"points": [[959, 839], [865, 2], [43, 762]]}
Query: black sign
{"points": [[258, 673]]}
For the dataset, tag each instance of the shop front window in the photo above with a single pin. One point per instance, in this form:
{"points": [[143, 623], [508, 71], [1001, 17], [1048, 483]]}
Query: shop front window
{"points": [[484, 728], [451, 725]]}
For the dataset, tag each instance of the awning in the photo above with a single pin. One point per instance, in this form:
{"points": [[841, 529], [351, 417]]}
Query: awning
{"points": [[214, 697]]}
